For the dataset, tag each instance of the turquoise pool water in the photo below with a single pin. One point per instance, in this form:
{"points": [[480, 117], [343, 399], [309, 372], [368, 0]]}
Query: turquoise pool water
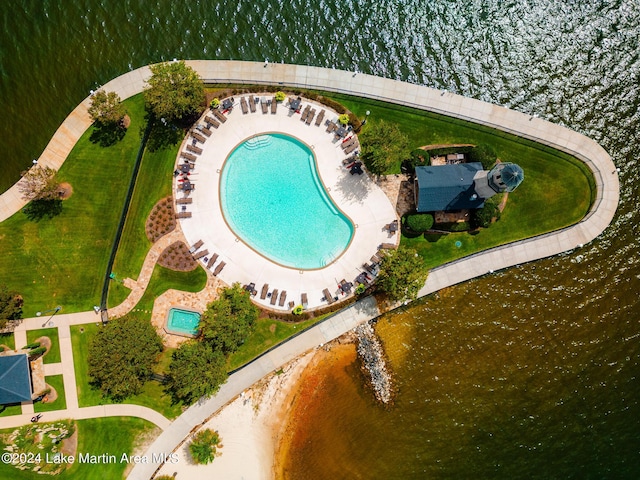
{"points": [[183, 322], [273, 200]]}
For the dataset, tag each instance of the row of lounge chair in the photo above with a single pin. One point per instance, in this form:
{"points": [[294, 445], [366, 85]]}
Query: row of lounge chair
{"points": [[198, 254], [277, 297]]}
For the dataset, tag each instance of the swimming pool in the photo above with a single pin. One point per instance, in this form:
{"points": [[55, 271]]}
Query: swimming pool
{"points": [[272, 198], [182, 322]]}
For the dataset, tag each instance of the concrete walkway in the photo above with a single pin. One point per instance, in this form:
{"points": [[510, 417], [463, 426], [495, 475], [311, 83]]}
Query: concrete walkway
{"points": [[392, 91]]}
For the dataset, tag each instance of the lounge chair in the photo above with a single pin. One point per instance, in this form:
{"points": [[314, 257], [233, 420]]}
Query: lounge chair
{"points": [[327, 295], [312, 114], [194, 149], [199, 138], [188, 156], [274, 106], [274, 297], [265, 290], [331, 127], [263, 104], [218, 114], [218, 269], [184, 201], [388, 246], [283, 298], [196, 246], [212, 260], [375, 258], [244, 106], [211, 121], [351, 148], [304, 300], [252, 104], [319, 118], [305, 113], [183, 215], [205, 130], [200, 254]]}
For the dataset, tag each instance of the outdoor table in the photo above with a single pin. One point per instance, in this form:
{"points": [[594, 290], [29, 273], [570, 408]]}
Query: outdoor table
{"points": [[227, 104], [341, 132]]}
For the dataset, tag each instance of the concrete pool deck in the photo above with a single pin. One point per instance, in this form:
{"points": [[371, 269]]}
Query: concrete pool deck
{"points": [[366, 205]]}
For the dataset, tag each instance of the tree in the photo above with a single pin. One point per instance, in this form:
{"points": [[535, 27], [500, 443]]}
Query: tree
{"points": [[10, 306], [122, 355], [175, 92], [228, 321], [402, 274], [195, 371], [106, 108], [39, 183], [483, 217], [383, 146], [204, 445]]}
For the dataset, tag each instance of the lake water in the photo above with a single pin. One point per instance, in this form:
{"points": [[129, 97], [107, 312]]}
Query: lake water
{"points": [[531, 372]]}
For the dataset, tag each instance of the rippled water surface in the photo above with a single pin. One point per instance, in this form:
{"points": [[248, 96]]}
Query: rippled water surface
{"points": [[527, 373]]}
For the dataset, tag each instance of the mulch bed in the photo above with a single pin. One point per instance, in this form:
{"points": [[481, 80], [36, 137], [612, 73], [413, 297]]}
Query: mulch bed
{"points": [[177, 257], [161, 220]]}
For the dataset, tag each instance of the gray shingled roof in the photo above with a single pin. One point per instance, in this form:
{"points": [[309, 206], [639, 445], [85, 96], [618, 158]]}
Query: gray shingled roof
{"points": [[447, 187], [15, 379]]}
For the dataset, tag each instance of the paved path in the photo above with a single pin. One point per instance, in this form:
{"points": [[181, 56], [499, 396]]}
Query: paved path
{"points": [[393, 91], [197, 414]]}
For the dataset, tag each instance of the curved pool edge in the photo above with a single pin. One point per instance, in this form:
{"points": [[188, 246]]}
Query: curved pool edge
{"points": [[323, 191]]}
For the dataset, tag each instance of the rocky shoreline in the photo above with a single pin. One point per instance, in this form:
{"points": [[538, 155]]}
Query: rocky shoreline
{"points": [[374, 362]]}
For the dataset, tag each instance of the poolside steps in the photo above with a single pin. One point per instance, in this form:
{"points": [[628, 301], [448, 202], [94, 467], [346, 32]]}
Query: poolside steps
{"points": [[211, 122], [258, 141], [252, 104], [194, 149]]}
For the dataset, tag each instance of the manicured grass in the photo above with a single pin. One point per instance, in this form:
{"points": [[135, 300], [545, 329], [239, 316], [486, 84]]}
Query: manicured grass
{"points": [[152, 395], [118, 293], [153, 184], [62, 260], [8, 340], [557, 190], [8, 410], [53, 355], [268, 332], [60, 403], [96, 436], [163, 279]]}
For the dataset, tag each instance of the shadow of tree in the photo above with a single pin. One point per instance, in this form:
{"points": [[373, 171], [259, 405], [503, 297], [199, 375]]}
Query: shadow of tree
{"points": [[163, 135], [39, 209], [354, 187], [107, 135]]}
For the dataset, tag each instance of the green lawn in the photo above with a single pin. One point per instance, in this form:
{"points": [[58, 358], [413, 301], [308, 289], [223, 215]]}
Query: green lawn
{"points": [[557, 190], [96, 436], [153, 184], [8, 340], [62, 260], [152, 395], [53, 355], [267, 333], [8, 410], [60, 403]]}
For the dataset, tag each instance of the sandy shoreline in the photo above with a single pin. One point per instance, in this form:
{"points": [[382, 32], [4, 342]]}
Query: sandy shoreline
{"points": [[249, 427]]}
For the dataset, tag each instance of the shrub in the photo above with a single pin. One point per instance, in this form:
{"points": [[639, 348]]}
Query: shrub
{"points": [[298, 310], [483, 154], [420, 222], [338, 107], [343, 119], [483, 217], [31, 345], [280, 96], [355, 122], [203, 446], [215, 103], [36, 352], [459, 227]]}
